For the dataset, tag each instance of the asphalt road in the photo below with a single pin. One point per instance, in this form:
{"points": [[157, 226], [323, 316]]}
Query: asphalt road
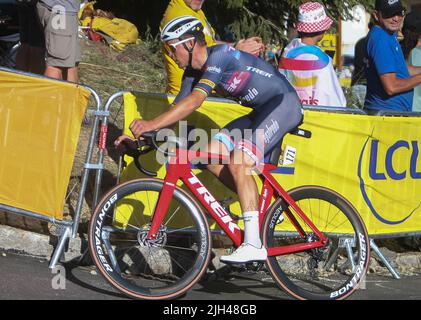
{"points": [[30, 278]]}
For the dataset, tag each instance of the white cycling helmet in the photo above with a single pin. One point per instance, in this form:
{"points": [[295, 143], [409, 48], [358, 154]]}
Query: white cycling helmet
{"points": [[179, 26]]}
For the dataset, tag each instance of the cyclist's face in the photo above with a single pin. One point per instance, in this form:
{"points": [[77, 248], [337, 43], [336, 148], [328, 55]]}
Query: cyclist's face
{"points": [[177, 51], [196, 5]]}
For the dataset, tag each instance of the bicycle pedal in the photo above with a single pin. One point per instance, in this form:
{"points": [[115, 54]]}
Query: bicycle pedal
{"points": [[237, 266], [254, 266]]}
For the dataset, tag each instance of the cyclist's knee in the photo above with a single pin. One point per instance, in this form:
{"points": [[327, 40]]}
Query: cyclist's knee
{"points": [[241, 163], [215, 168], [248, 153]]}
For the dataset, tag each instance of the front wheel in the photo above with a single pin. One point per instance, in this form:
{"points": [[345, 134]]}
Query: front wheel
{"points": [[162, 268], [330, 272]]}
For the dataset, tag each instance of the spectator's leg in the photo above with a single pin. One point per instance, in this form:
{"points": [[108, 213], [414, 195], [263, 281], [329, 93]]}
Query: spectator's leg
{"points": [[72, 74], [54, 72]]}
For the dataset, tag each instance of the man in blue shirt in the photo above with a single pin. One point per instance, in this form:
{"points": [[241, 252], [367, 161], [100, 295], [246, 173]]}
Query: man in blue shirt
{"points": [[390, 81]]}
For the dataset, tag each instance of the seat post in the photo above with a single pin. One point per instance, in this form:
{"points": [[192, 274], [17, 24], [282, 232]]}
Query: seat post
{"points": [[275, 154]]}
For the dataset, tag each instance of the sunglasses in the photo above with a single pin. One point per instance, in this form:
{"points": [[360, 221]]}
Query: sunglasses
{"points": [[399, 13], [173, 47]]}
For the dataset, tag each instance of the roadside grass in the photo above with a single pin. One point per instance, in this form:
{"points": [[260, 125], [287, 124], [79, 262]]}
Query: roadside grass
{"points": [[140, 67]]}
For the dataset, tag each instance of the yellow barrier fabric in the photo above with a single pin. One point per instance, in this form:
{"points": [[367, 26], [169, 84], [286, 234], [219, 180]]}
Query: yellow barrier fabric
{"points": [[40, 122], [373, 161]]}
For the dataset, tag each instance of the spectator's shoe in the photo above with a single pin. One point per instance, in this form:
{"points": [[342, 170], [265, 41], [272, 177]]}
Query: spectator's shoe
{"points": [[246, 253]]}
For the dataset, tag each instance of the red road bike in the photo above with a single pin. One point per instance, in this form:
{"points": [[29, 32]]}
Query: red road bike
{"points": [[151, 239]]}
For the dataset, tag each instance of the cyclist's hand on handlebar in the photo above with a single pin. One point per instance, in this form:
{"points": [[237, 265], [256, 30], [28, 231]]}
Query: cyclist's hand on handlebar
{"points": [[139, 126], [124, 142]]}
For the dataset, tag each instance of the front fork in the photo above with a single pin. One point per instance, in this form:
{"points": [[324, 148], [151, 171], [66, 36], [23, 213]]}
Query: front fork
{"points": [[162, 206]]}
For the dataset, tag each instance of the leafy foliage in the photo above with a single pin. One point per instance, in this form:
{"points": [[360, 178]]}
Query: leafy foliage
{"points": [[269, 19], [232, 19]]}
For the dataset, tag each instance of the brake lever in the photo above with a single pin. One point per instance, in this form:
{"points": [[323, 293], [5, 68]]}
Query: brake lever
{"points": [[150, 138]]}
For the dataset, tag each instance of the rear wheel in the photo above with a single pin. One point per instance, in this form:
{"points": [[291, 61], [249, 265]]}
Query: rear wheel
{"points": [[331, 272], [162, 268]]}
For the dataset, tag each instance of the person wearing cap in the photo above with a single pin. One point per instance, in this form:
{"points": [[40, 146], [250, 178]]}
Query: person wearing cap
{"points": [[307, 67], [411, 47], [390, 82], [178, 8], [275, 109]]}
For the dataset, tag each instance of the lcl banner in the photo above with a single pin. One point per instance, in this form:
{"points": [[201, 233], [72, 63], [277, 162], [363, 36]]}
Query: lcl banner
{"points": [[373, 161]]}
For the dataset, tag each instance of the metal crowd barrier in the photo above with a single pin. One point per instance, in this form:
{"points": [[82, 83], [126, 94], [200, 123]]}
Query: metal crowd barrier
{"points": [[397, 113], [101, 114]]}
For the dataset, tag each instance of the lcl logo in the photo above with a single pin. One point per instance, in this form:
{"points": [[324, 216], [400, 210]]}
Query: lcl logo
{"points": [[391, 172], [407, 154]]}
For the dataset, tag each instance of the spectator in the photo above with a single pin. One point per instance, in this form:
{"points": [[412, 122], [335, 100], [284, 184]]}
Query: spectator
{"points": [[60, 22], [30, 55], [411, 32], [358, 76], [177, 8], [307, 67], [389, 81], [359, 81], [411, 46]]}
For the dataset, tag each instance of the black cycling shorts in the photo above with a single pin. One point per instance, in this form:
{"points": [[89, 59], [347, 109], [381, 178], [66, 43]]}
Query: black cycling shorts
{"points": [[258, 132]]}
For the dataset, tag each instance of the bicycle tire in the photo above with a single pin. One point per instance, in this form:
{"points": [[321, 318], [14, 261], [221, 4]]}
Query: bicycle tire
{"points": [[160, 269], [325, 273]]}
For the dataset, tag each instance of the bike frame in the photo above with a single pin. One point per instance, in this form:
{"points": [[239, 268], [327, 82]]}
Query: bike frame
{"points": [[271, 188]]}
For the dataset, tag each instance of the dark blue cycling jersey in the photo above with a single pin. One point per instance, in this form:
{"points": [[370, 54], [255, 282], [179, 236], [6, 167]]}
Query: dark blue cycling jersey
{"points": [[255, 84], [236, 74]]}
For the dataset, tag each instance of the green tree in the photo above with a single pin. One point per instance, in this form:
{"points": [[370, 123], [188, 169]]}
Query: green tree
{"points": [[268, 18], [232, 19]]}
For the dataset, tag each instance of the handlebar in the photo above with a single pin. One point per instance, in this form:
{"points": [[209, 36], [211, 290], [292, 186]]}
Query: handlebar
{"points": [[148, 143], [133, 148]]}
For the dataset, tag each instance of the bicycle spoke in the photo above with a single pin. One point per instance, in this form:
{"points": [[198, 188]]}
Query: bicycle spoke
{"points": [[134, 227], [180, 248], [168, 221], [178, 230]]}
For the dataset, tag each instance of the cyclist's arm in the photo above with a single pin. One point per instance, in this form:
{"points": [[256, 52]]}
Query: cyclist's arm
{"points": [[180, 111], [190, 78]]}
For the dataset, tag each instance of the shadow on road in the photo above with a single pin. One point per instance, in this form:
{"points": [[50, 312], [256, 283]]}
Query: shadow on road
{"points": [[76, 279]]}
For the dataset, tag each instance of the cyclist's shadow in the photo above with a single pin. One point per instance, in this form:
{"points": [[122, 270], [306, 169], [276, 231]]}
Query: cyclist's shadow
{"points": [[235, 281], [93, 285]]}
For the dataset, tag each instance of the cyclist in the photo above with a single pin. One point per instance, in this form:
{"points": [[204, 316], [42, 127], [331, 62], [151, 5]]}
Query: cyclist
{"points": [[276, 110]]}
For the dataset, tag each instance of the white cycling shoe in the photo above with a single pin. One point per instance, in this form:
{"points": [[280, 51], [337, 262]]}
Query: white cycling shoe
{"points": [[246, 253]]}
